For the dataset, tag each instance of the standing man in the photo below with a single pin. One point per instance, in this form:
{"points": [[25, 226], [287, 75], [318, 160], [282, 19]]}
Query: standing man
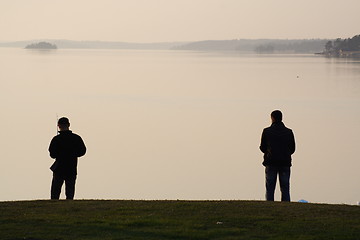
{"points": [[65, 148], [277, 144]]}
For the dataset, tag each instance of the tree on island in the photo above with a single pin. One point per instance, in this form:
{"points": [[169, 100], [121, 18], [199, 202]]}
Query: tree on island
{"points": [[41, 45], [343, 48]]}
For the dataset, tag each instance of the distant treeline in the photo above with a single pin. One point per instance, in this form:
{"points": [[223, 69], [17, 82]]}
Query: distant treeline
{"points": [[329, 47], [292, 46], [258, 45], [343, 48]]}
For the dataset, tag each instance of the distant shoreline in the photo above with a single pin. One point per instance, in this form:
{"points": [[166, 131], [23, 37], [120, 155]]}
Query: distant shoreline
{"points": [[237, 45]]}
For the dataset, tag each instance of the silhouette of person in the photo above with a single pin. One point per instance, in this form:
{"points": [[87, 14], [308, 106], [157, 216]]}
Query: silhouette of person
{"points": [[65, 148], [277, 144]]}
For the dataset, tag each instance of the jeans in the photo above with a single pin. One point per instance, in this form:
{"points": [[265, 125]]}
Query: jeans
{"points": [[271, 173], [57, 182]]}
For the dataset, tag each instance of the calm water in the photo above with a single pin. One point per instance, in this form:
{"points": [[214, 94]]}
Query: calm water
{"points": [[178, 125]]}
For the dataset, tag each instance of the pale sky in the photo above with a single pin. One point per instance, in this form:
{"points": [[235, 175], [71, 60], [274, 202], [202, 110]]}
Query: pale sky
{"points": [[177, 20]]}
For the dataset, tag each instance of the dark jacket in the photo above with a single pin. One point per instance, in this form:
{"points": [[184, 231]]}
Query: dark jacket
{"points": [[277, 144], [65, 148]]}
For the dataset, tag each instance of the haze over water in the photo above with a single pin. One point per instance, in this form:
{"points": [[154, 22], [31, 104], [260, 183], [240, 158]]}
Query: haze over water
{"points": [[178, 125]]}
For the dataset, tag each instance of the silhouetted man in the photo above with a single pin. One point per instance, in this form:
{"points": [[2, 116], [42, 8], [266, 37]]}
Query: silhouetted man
{"points": [[277, 144], [65, 148]]}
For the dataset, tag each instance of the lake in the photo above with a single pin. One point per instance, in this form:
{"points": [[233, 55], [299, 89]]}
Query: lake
{"points": [[178, 124]]}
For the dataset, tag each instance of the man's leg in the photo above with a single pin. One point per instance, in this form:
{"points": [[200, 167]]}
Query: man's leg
{"points": [[56, 185], [284, 177], [270, 175], [70, 187]]}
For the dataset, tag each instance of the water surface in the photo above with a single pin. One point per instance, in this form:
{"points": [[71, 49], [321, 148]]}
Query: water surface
{"points": [[178, 125]]}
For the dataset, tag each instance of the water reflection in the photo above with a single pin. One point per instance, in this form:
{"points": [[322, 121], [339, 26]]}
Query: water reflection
{"points": [[41, 51]]}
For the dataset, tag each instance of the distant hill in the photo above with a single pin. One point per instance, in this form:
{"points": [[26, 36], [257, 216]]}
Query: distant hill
{"points": [[235, 45], [257, 45]]}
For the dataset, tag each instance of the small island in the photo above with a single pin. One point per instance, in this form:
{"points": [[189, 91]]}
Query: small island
{"points": [[41, 45], [343, 48]]}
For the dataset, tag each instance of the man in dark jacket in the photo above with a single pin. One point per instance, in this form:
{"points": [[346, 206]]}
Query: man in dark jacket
{"points": [[277, 144], [65, 148]]}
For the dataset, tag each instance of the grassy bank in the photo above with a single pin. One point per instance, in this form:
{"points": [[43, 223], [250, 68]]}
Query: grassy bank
{"points": [[87, 219]]}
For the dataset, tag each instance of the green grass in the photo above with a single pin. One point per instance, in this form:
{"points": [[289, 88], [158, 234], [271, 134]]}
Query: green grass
{"points": [[115, 220]]}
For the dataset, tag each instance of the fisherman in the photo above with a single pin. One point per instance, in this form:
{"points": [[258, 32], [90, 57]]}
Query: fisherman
{"points": [[65, 148]]}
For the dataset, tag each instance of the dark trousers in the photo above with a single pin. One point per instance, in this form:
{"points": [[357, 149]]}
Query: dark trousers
{"points": [[271, 173], [56, 185]]}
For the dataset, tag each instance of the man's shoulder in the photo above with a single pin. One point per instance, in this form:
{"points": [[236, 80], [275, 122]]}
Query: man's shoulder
{"points": [[77, 137], [267, 129], [53, 140], [278, 129], [287, 129], [67, 135], [74, 135]]}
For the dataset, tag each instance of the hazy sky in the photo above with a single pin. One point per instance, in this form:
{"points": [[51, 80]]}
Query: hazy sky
{"points": [[177, 20]]}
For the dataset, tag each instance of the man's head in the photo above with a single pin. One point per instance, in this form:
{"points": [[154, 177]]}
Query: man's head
{"points": [[63, 124], [276, 116]]}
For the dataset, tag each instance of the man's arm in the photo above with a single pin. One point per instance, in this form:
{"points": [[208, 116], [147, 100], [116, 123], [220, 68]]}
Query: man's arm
{"points": [[292, 143], [53, 149], [81, 147], [263, 143]]}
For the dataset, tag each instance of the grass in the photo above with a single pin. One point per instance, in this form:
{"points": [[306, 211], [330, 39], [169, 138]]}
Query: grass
{"points": [[115, 220]]}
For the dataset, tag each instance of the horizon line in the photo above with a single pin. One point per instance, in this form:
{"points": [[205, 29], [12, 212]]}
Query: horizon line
{"points": [[152, 42]]}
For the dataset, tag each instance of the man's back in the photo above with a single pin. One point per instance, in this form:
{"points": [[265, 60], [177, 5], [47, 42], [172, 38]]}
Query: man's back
{"points": [[66, 148], [277, 144]]}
